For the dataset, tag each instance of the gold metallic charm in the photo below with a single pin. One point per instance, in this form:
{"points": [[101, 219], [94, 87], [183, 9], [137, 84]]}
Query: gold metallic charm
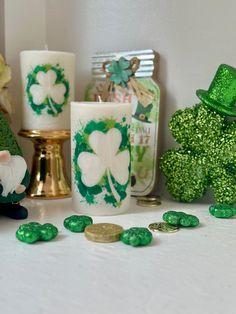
{"points": [[48, 177], [163, 227], [103, 232], [148, 201]]}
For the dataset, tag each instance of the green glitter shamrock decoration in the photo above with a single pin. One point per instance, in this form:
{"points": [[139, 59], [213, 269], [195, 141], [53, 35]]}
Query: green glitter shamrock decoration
{"points": [[48, 88], [120, 71], [106, 179], [34, 231], [180, 219], [207, 156], [76, 223], [136, 236], [222, 211]]}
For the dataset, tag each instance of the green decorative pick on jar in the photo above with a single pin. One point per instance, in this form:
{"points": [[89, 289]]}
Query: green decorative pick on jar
{"points": [[136, 236], [180, 219], [222, 211], [76, 223]]}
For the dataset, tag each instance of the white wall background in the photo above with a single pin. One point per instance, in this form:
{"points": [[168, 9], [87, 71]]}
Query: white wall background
{"points": [[2, 29], [192, 38]]}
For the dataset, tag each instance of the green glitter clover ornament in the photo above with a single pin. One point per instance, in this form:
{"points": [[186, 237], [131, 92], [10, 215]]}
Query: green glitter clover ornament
{"points": [[206, 158], [136, 236], [76, 223], [222, 211], [180, 219]]}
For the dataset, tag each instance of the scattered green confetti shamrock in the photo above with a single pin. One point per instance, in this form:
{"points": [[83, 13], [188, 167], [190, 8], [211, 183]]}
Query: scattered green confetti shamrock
{"points": [[28, 234], [180, 219], [77, 223], [207, 156], [34, 231], [48, 232], [120, 71], [136, 236], [222, 211]]}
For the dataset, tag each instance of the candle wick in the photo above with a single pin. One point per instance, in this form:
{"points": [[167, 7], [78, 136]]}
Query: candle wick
{"points": [[99, 98]]}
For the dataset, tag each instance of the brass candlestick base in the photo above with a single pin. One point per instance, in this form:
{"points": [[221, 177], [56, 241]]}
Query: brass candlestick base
{"points": [[48, 177]]}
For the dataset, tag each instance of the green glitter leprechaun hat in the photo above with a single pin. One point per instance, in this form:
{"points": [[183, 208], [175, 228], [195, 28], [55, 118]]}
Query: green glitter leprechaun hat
{"points": [[221, 95]]}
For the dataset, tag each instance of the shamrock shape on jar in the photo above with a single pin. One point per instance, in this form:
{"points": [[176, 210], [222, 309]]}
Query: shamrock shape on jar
{"points": [[47, 88], [120, 71], [206, 157], [102, 161]]}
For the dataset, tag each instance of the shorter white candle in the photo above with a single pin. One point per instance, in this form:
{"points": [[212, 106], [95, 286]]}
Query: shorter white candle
{"points": [[48, 88], [100, 146]]}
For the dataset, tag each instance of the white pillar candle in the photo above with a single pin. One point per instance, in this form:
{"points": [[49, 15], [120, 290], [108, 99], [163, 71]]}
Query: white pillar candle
{"points": [[100, 146], [48, 88]]}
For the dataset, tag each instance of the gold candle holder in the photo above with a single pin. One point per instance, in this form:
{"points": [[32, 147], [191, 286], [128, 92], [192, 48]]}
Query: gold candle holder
{"points": [[48, 176]]}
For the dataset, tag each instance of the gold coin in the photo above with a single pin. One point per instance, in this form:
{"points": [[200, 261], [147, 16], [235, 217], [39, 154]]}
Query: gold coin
{"points": [[163, 227], [148, 203], [103, 232], [149, 198]]}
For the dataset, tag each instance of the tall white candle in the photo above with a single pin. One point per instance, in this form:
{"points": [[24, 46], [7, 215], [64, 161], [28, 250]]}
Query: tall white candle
{"points": [[100, 146], [48, 88]]}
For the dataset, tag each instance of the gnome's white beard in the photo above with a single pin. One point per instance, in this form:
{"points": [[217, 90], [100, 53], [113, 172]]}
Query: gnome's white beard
{"points": [[12, 174]]}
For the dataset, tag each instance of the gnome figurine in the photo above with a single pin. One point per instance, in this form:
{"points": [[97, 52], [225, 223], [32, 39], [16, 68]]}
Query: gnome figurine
{"points": [[14, 176]]}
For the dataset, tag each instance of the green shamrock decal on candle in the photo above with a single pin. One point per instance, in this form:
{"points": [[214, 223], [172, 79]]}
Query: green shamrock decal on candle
{"points": [[48, 88], [102, 161], [120, 71]]}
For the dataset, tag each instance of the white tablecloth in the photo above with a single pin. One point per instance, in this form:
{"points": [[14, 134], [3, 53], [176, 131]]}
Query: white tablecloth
{"points": [[188, 272]]}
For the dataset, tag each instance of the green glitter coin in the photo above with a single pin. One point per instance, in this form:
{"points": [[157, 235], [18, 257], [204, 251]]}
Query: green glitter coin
{"points": [[222, 211], [77, 223], [136, 236], [28, 234]]}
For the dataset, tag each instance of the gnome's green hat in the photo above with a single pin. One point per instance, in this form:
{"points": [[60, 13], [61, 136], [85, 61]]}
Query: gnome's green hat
{"points": [[221, 95]]}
